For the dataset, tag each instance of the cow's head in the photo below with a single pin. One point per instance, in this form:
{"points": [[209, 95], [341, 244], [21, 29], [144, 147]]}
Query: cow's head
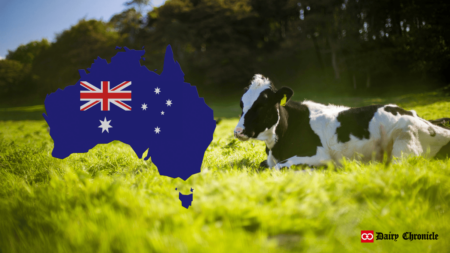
{"points": [[260, 109]]}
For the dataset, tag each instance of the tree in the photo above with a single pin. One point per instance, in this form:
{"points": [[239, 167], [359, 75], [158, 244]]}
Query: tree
{"points": [[11, 76], [74, 49], [15, 76], [26, 54], [140, 4], [222, 42], [127, 23]]}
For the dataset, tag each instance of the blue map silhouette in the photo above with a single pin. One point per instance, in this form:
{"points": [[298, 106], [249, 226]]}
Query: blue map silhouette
{"points": [[162, 113], [186, 200]]}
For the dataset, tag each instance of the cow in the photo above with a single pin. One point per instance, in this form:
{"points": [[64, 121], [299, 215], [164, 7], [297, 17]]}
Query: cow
{"points": [[313, 134]]}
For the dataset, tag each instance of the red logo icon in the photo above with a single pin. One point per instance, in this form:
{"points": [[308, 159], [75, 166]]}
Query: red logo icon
{"points": [[366, 235]]}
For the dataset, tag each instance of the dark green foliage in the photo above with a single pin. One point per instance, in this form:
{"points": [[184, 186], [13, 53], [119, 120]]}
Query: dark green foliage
{"points": [[26, 54], [16, 78], [337, 45], [74, 49], [344, 46], [10, 75]]}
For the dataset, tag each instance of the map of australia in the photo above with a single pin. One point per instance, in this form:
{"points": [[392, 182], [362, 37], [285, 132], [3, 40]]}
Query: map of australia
{"points": [[123, 100]]}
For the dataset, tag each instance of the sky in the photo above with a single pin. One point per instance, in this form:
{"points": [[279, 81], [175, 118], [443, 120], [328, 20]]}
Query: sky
{"points": [[24, 21]]}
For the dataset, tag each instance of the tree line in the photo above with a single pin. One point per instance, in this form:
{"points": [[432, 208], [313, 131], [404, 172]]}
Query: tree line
{"points": [[355, 46]]}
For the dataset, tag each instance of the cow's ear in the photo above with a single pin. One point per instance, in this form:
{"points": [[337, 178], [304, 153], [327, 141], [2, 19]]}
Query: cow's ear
{"points": [[283, 95]]}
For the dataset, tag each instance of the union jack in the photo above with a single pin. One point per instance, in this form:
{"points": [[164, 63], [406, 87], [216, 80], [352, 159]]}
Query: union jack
{"points": [[105, 95]]}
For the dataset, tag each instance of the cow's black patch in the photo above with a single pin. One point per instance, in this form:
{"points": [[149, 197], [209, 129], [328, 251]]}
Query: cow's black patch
{"points": [[397, 110], [355, 121], [444, 152], [295, 135]]}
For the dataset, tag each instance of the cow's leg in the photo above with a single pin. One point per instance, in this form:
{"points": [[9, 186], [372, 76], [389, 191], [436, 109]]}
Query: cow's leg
{"points": [[295, 160], [317, 160], [441, 122], [271, 161], [406, 142]]}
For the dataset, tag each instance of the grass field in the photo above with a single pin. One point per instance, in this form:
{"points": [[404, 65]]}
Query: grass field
{"points": [[108, 200]]}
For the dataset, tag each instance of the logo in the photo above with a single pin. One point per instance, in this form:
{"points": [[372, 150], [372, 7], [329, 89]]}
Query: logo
{"points": [[366, 236], [369, 236]]}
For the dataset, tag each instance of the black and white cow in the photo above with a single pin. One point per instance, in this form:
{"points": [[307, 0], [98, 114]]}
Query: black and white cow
{"points": [[313, 134]]}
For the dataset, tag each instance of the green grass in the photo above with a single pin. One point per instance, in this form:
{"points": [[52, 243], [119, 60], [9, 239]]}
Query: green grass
{"points": [[108, 200]]}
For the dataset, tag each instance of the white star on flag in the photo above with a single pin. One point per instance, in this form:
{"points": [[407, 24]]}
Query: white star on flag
{"points": [[169, 102], [144, 107], [162, 112], [157, 90], [157, 130], [105, 125]]}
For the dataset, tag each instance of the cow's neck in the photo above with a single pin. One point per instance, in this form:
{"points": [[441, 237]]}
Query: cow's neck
{"points": [[270, 135], [282, 125], [271, 138]]}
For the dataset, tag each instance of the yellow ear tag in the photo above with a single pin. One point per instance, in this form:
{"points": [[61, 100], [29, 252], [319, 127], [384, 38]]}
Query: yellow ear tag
{"points": [[283, 101]]}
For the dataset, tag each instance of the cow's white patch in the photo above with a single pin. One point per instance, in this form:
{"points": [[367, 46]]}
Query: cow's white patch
{"points": [[323, 121]]}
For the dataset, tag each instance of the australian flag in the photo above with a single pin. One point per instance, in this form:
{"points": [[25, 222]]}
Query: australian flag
{"points": [[123, 100]]}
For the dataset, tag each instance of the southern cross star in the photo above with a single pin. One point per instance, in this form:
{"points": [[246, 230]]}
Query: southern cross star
{"points": [[169, 102], [105, 125], [157, 90], [144, 107], [162, 112], [157, 130]]}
